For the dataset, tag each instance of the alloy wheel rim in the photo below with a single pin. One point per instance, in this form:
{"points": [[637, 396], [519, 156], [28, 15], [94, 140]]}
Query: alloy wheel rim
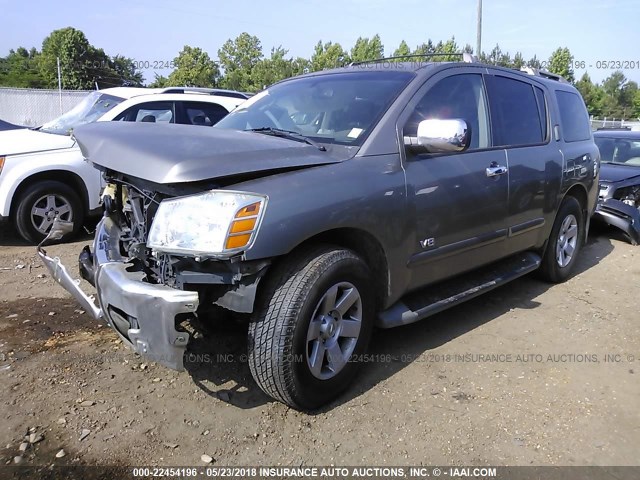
{"points": [[567, 241], [334, 330], [46, 208]]}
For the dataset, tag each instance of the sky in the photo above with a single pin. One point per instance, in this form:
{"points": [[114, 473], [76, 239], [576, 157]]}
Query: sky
{"points": [[154, 31]]}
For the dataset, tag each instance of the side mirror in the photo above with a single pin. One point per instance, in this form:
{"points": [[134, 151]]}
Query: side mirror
{"points": [[441, 136]]}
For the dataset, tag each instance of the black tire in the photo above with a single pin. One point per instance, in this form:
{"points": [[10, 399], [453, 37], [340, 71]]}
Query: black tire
{"points": [[551, 269], [33, 196], [278, 344]]}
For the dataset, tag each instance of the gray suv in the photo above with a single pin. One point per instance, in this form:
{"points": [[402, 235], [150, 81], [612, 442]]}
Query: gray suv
{"points": [[373, 195]]}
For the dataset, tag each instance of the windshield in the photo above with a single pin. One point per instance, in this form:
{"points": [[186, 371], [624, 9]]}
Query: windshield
{"points": [[619, 150], [339, 108], [90, 109]]}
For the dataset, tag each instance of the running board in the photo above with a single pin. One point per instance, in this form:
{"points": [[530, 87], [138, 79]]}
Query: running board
{"points": [[436, 298]]}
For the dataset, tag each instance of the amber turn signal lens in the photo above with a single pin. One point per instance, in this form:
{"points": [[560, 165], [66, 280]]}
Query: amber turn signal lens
{"points": [[249, 210], [243, 225], [238, 241]]}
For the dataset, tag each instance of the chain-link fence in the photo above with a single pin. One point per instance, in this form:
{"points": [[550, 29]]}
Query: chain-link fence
{"points": [[32, 107]]}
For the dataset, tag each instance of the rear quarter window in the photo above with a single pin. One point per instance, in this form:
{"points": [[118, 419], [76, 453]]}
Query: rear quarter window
{"points": [[574, 116]]}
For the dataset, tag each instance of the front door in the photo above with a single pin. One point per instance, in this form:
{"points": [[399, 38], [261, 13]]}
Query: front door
{"points": [[459, 199]]}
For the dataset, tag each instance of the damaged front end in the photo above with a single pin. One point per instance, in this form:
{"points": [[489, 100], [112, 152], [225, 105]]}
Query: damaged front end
{"points": [[621, 215], [147, 295], [620, 208]]}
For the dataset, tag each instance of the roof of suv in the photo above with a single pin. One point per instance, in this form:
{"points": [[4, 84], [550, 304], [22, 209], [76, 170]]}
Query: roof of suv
{"points": [[423, 66], [130, 92]]}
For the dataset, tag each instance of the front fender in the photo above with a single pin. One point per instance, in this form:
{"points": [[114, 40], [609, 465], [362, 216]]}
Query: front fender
{"points": [[363, 193], [19, 168]]}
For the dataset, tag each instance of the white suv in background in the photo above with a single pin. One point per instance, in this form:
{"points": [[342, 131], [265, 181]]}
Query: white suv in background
{"points": [[43, 173]]}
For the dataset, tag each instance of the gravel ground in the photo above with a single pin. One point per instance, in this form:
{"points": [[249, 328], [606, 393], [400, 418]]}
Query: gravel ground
{"points": [[530, 374]]}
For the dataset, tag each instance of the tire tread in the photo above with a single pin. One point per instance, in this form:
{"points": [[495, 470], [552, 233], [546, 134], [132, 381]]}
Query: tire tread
{"points": [[271, 332]]}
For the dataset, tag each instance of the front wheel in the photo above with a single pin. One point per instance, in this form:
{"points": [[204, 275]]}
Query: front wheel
{"points": [[41, 203], [565, 242], [313, 321]]}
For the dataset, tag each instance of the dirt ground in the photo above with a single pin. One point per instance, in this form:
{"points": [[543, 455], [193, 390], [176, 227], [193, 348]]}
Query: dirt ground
{"points": [[530, 374]]}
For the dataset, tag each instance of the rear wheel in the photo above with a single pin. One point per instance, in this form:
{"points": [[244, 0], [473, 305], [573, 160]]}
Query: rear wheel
{"points": [[41, 203], [565, 242], [314, 319]]}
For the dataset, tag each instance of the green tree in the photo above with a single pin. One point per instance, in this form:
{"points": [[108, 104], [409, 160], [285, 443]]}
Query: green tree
{"points": [[518, 61], [534, 62], [367, 49], [425, 48], [613, 84], [271, 70], [497, 57], [450, 46], [126, 71], [194, 68], [74, 51], [328, 55], [238, 58], [82, 66], [300, 65], [561, 63], [636, 105], [101, 69], [431, 50], [592, 94], [159, 81], [402, 50], [619, 95], [628, 94], [20, 69]]}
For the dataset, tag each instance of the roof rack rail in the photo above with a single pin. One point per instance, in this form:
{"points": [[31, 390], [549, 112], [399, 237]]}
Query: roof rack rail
{"points": [[466, 57], [538, 72], [210, 91]]}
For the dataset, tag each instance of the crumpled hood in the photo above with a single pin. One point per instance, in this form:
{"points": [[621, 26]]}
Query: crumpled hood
{"points": [[166, 153], [611, 172], [24, 140]]}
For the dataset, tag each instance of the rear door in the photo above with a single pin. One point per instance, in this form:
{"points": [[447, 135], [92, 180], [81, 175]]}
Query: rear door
{"points": [[520, 125]]}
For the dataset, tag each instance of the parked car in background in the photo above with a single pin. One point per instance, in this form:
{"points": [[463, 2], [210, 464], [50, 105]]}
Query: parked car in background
{"points": [[43, 174], [619, 199], [8, 126], [333, 202]]}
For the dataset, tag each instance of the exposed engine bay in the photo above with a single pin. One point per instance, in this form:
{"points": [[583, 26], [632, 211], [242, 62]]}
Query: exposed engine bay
{"points": [[629, 196], [620, 207], [132, 204]]}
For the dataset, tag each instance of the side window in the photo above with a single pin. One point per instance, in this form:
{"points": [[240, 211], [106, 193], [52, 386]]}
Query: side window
{"points": [[206, 114], [153, 112], [458, 96], [515, 112], [574, 117]]}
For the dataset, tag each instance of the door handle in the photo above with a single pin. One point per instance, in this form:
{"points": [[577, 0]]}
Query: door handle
{"points": [[495, 170]]}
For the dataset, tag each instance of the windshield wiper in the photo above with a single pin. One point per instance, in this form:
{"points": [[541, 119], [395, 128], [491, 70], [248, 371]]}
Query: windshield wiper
{"points": [[278, 132]]}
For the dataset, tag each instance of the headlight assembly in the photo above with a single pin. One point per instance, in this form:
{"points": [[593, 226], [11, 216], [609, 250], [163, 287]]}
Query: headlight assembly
{"points": [[214, 223]]}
